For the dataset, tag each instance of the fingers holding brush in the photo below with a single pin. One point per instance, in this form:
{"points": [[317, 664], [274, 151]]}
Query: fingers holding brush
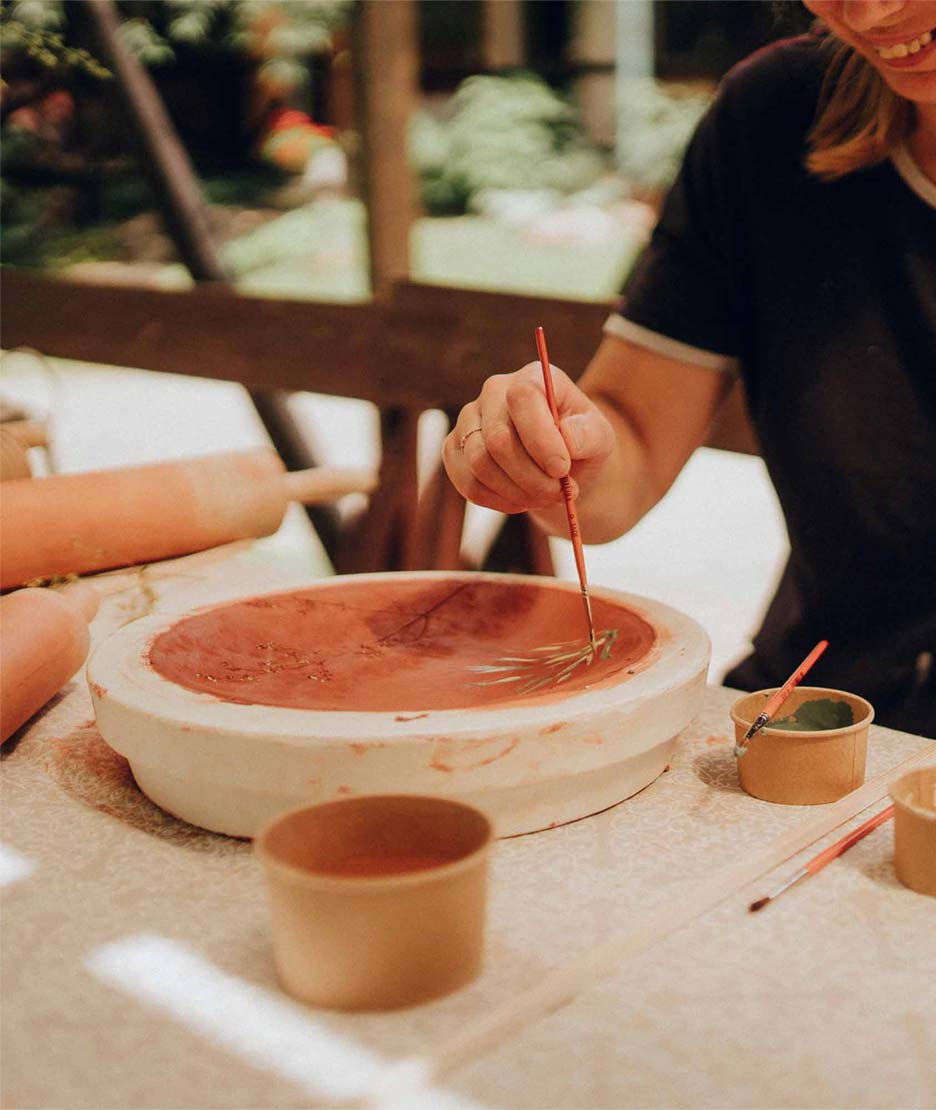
{"points": [[474, 472], [506, 452], [542, 451], [488, 463], [576, 442]]}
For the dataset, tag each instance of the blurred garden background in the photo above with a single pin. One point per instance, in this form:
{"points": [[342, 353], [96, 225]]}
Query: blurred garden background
{"points": [[194, 194], [543, 136]]}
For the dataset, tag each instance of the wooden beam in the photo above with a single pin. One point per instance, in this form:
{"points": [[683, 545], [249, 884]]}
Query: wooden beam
{"points": [[490, 333], [205, 331], [426, 347], [423, 347]]}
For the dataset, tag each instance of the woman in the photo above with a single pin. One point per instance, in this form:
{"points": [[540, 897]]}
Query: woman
{"points": [[798, 249]]}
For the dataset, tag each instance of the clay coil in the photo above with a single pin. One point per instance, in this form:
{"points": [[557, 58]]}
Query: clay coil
{"points": [[43, 641]]}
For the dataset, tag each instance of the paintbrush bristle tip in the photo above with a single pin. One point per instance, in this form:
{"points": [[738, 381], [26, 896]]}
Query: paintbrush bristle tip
{"points": [[758, 905]]}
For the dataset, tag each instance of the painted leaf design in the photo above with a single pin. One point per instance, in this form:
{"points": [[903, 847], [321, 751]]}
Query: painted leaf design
{"points": [[814, 716], [547, 664]]}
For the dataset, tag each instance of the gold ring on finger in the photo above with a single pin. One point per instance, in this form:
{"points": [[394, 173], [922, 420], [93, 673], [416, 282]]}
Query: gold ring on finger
{"points": [[464, 439]]}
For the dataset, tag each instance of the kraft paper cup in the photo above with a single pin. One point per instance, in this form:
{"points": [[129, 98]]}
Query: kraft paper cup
{"points": [[802, 768], [914, 798], [377, 902]]}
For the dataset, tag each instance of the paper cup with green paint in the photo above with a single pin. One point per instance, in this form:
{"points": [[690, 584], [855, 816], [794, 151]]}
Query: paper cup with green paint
{"points": [[813, 752]]}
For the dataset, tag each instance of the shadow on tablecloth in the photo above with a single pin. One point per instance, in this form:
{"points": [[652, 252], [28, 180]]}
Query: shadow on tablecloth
{"points": [[95, 775]]}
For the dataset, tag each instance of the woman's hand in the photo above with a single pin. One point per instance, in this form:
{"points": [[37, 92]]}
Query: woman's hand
{"points": [[505, 451]]}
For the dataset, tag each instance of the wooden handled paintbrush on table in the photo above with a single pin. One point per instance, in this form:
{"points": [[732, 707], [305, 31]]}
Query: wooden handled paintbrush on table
{"points": [[825, 857]]}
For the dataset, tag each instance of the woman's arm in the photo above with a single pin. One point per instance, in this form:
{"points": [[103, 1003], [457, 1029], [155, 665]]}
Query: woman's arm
{"points": [[628, 427]]}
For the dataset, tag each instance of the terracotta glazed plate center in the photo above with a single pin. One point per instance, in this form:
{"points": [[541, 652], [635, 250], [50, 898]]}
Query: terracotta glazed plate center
{"points": [[398, 645]]}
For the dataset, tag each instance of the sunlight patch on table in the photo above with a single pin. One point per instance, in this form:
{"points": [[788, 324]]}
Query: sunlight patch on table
{"points": [[266, 1031], [13, 865]]}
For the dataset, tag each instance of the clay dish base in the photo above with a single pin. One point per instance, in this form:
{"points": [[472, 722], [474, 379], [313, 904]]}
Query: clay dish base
{"points": [[364, 684]]}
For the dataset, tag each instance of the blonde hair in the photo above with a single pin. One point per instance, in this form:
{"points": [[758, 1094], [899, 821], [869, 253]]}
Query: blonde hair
{"points": [[860, 121]]}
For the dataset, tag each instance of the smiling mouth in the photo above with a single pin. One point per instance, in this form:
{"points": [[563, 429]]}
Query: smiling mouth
{"points": [[905, 49]]}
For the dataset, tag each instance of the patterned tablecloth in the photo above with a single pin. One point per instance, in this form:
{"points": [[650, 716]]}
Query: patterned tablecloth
{"points": [[137, 972]]}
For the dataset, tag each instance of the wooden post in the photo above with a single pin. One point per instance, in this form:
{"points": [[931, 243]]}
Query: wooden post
{"points": [[593, 47], [386, 65], [634, 38], [503, 46], [182, 205], [385, 55], [166, 162], [384, 537]]}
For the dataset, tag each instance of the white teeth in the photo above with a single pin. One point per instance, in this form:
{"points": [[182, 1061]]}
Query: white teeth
{"points": [[902, 49]]}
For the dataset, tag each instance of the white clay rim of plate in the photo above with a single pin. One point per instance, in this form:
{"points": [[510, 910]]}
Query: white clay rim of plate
{"points": [[118, 670]]}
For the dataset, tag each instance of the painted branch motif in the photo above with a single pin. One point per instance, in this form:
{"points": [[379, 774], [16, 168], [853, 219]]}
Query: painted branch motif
{"points": [[549, 664]]}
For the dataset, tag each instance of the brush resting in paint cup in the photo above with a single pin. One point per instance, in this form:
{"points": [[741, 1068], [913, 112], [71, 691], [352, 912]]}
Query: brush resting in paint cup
{"points": [[766, 266]]}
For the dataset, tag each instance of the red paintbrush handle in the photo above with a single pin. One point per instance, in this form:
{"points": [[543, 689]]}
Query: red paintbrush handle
{"points": [[793, 681], [547, 377], [835, 850], [565, 482], [574, 530]]}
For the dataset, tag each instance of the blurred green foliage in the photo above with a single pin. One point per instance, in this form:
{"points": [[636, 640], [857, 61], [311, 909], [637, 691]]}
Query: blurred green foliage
{"points": [[24, 242], [510, 132], [67, 168], [654, 125], [516, 132], [291, 29], [34, 30]]}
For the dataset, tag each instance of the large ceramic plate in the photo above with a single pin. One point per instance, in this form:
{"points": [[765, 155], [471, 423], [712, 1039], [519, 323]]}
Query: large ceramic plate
{"points": [[455, 684]]}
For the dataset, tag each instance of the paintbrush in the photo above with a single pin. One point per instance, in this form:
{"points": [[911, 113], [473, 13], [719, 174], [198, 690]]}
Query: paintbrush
{"points": [[826, 856], [777, 699], [568, 495]]}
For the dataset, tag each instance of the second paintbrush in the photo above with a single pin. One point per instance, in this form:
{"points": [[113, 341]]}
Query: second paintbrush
{"points": [[569, 497]]}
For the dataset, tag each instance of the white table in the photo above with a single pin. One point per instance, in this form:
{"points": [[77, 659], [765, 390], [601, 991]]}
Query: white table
{"points": [[137, 969]]}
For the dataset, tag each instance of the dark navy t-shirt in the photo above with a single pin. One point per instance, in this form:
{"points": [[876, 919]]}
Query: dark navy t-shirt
{"points": [[823, 296]]}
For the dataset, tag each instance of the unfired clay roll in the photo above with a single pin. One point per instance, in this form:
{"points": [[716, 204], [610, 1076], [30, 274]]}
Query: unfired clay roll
{"points": [[80, 523], [43, 641]]}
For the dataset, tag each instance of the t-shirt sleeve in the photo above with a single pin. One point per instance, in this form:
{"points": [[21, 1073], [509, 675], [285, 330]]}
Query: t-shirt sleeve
{"points": [[684, 295]]}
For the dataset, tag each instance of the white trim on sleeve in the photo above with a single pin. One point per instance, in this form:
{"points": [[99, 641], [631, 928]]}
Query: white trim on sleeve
{"points": [[622, 328], [908, 168]]}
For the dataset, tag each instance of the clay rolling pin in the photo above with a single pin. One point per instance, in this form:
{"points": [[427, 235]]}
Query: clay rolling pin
{"points": [[81, 523], [44, 639], [31, 433]]}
